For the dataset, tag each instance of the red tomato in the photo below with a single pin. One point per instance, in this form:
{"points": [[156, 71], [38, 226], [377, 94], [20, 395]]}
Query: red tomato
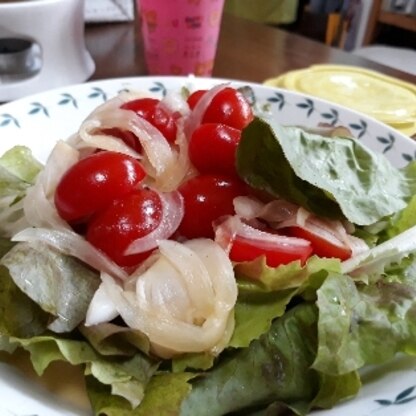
{"points": [[93, 182], [127, 136], [149, 109], [321, 246], [122, 222], [244, 249], [229, 107], [206, 198], [212, 148], [194, 98]]}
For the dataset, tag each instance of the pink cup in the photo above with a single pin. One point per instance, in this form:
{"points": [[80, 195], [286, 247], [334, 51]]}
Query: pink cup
{"points": [[180, 36]]}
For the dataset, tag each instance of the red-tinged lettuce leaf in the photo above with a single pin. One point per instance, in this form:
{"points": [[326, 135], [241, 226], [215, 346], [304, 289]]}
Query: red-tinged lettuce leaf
{"points": [[59, 284], [330, 176], [274, 368], [363, 324]]}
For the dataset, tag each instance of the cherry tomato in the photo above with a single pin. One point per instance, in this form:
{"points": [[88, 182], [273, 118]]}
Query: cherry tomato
{"points": [[93, 182], [194, 98], [321, 246], [206, 198], [229, 107], [150, 110], [122, 222], [212, 148], [128, 137], [277, 253]]}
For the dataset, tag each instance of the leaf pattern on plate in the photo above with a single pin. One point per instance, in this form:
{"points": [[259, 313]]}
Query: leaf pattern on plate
{"points": [[360, 128], [402, 398], [8, 119], [408, 157], [279, 99], [38, 108], [158, 87], [68, 99], [332, 116], [307, 105], [98, 93], [388, 141]]}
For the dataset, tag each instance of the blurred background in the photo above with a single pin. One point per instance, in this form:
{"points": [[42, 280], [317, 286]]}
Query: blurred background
{"points": [[381, 30]]}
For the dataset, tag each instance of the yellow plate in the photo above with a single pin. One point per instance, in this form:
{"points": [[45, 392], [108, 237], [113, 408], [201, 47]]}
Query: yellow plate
{"points": [[386, 98]]}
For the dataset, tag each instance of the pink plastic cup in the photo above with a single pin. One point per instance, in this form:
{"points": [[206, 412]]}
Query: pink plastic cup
{"points": [[180, 37]]}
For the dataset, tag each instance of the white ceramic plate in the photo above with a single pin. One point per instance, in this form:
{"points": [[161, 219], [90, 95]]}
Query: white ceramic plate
{"points": [[40, 120]]}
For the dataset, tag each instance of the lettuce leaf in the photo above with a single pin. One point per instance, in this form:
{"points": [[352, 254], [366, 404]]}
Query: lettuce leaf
{"points": [[59, 284], [18, 171], [330, 176], [125, 376], [265, 292], [404, 220], [19, 315], [275, 367], [355, 317], [164, 395], [19, 161]]}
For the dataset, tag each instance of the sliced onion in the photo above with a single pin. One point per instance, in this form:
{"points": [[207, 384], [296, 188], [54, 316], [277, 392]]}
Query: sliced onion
{"points": [[235, 228], [195, 117], [101, 308], [332, 231], [91, 135], [172, 214], [247, 207], [274, 211], [174, 103], [184, 301], [39, 207], [70, 243]]}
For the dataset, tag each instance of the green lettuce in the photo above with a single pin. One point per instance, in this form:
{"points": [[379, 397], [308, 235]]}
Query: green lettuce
{"points": [[354, 317], [18, 171], [59, 284], [330, 176], [274, 368]]}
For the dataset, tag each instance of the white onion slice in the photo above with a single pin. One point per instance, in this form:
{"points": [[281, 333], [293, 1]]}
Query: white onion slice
{"points": [[91, 136], [172, 214], [332, 231], [173, 102], [232, 227], [70, 243], [101, 308], [39, 207], [184, 301], [274, 211]]}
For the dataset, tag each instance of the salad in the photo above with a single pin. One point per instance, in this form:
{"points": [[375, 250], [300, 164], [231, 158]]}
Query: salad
{"points": [[196, 257]]}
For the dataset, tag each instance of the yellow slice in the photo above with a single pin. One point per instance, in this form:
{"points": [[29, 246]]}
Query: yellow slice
{"points": [[386, 98]]}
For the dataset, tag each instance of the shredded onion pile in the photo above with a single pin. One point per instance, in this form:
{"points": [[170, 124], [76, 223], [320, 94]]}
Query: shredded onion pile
{"points": [[183, 301]]}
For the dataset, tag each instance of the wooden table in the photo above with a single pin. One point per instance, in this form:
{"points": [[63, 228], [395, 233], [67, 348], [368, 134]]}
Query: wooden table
{"points": [[247, 51]]}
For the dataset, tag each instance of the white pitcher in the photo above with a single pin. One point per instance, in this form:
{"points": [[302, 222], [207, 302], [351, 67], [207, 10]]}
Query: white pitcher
{"points": [[42, 46]]}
